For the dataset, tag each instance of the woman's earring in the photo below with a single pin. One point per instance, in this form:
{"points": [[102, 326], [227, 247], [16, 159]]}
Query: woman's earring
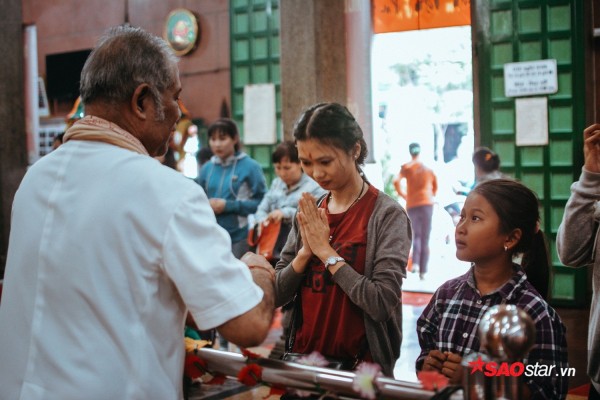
{"points": [[505, 248]]}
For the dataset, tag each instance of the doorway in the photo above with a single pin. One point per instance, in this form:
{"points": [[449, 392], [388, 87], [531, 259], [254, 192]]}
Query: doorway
{"points": [[422, 88]]}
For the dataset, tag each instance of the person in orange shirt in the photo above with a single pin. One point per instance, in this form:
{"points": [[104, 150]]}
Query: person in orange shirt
{"points": [[421, 188]]}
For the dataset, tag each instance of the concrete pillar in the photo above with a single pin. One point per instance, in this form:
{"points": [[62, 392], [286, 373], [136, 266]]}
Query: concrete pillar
{"points": [[326, 56], [313, 56], [359, 35], [13, 147]]}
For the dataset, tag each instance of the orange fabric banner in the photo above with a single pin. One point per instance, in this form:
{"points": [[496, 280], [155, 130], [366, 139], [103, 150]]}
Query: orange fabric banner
{"points": [[410, 15]]}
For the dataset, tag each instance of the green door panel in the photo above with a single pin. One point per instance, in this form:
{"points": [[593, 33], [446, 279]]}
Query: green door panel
{"points": [[255, 59], [528, 30]]}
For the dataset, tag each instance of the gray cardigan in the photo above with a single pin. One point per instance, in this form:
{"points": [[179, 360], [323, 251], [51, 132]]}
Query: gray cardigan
{"points": [[577, 242], [379, 291]]}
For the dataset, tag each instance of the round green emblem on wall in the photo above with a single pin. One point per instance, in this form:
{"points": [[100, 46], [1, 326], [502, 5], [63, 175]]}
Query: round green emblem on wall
{"points": [[181, 31]]}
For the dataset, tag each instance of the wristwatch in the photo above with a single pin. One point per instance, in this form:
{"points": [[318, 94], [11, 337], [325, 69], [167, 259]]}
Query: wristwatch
{"points": [[331, 261]]}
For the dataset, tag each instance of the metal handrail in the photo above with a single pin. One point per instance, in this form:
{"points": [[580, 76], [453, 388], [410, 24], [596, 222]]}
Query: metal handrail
{"points": [[312, 379]]}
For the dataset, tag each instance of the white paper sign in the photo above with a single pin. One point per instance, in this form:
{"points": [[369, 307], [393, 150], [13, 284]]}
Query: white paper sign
{"points": [[530, 77], [532, 121], [259, 114]]}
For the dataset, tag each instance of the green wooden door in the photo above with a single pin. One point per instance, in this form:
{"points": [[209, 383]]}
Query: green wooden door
{"points": [[255, 59], [528, 30]]}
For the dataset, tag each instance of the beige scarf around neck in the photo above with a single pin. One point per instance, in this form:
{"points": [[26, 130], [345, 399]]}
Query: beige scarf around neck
{"points": [[100, 130]]}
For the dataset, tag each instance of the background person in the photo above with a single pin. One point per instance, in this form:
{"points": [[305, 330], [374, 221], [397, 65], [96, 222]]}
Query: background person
{"points": [[499, 219], [281, 201], [487, 165], [577, 241], [103, 261], [421, 188], [346, 256], [233, 182]]}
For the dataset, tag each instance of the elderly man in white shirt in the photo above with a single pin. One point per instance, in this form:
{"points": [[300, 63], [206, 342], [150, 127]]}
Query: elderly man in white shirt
{"points": [[103, 261]]}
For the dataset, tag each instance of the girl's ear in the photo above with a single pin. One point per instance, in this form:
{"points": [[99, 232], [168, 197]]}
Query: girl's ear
{"points": [[356, 151], [513, 238]]}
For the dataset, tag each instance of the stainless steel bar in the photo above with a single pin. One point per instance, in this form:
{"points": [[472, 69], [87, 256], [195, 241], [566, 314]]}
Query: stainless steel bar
{"points": [[313, 379]]}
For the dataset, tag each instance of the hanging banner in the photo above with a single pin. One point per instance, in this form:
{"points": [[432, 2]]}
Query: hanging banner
{"points": [[410, 15], [395, 16]]}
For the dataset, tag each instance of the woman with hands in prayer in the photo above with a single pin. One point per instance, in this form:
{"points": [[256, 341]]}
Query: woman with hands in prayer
{"points": [[346, 255]]}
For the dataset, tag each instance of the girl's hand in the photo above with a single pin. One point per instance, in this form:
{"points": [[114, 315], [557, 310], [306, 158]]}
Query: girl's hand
{"points": [[314, 226], [434, 361], [305, 251], [591, 148], [275, 216], [304, 254], [452, 367], [218, 205]]}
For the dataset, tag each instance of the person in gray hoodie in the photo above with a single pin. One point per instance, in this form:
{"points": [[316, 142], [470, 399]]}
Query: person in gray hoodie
{"points": [[577, 241]]}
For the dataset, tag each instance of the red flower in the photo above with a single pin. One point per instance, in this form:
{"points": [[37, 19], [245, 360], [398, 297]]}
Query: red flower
{"points": [[250, 355], [250, 375], [432, 380], [194, 366]]}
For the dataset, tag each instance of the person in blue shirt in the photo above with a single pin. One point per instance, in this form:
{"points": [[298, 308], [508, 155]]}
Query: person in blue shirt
{"points": [[281, 201], [233, 182]]}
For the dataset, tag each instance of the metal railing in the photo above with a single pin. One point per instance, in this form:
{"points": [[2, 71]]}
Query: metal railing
{"points": [[313, 379]]}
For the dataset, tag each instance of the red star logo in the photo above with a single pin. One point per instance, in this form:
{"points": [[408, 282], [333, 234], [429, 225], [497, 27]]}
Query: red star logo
{"points": [[476, 365]]}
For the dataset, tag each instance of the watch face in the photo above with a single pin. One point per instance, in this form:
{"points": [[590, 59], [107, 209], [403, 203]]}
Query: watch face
{"points": [[332, 260]]}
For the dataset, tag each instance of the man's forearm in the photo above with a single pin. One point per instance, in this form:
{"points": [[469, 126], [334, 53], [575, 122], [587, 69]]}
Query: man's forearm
{"points": [[251, 328], [267, 283]]}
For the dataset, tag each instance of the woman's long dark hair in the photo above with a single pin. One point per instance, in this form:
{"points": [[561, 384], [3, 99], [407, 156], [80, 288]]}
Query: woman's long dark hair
{"points": [[517, 207], [332, 124]]}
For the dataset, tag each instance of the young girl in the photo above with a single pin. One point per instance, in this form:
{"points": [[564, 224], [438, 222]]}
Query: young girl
{"points": [[233, 182], [500, 218], [347, 252]]}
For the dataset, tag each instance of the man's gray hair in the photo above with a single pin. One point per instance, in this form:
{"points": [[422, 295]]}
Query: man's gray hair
{"points": [[124, 58]]}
